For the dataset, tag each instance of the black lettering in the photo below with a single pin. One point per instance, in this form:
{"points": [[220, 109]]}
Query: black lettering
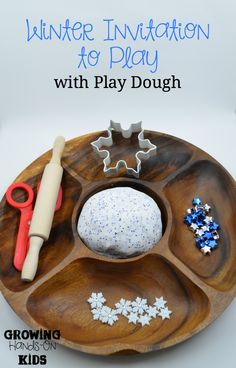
{"points": [[175, 80], [8, 334], [56, 334], [22, 359], [60, 82], [43, 359], [166, 85], [136, 81]]}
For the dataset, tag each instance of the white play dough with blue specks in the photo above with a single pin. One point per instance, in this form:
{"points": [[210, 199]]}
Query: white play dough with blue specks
{"points": [[120, 222]]}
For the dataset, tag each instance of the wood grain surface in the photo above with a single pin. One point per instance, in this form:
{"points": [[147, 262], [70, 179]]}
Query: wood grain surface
{"points": [[198, 288]]}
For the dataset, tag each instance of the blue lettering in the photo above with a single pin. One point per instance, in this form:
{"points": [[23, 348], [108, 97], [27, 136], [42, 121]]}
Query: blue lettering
{"points": [[90, 59], [34, 29], [129, 58], [206, 34], [190, 27], [109, 37]]}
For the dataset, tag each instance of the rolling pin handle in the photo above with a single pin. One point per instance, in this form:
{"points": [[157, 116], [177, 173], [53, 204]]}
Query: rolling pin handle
{"points": [[58, 148], [31, 261]]}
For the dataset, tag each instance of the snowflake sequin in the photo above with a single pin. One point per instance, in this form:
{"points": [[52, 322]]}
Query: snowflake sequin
{"points": [[139, 305], [160, 302], [144, 319], [165, 313], [152, 311], [96, 314], [133, 318], [108, 315], [136, 311], [96, 300], [123, 307]]}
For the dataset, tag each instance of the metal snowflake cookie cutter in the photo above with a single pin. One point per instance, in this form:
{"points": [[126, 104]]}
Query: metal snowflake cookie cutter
{"points": [[126, 133]]}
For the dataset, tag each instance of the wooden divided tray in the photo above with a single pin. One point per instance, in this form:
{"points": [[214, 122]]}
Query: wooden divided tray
{"points": [[198, 288]]}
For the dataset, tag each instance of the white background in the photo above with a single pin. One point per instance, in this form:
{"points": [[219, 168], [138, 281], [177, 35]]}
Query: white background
{"points": [[33, 112]]}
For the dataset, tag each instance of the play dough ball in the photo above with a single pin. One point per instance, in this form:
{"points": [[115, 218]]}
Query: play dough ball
{"points": [[120, 222]]}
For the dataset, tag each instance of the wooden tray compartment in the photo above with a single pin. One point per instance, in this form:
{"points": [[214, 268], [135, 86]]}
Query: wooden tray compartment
{"points": [[208, 180], [149, 276], [198, 288]]}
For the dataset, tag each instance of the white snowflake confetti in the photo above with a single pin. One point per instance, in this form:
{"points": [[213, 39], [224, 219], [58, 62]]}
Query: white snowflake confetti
{"points": [[123, 307], [96, 300], [165, 313], [144, 319], [96, 314], [133, 318], [139, 305], [108, 315], [136, 311], [160, 302], [152, 311]]}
